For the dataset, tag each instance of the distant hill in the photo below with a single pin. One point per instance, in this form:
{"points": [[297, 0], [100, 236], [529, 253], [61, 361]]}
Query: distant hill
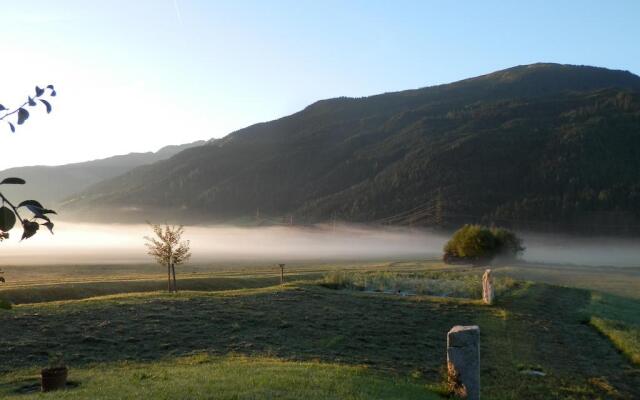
{"points": [[52, 184], [542, 146]]}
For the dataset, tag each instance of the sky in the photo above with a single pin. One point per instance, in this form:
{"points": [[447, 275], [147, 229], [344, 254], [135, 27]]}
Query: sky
{"points": [[138, 75]]}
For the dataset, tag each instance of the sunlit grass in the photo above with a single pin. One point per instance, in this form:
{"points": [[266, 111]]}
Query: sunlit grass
{"points": [[618, 319], [400, 339], [232, 377]]}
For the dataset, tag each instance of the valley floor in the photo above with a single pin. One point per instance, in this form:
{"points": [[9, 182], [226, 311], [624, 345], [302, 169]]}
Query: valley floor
{"points": [[314, 342]]}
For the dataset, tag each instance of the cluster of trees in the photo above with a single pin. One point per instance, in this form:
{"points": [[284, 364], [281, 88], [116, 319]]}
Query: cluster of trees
{"points": [[480, 245]]}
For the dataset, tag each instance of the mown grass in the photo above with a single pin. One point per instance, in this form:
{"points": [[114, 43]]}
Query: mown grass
{"points": [[617, 318], [619, 281], [82, 290], [36, 284], [532, 326], [614, 306], [230, 377]]}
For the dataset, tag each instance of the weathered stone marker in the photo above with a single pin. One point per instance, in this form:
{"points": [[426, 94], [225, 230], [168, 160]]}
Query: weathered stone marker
{"points": [[463, 361], [487, 287]]}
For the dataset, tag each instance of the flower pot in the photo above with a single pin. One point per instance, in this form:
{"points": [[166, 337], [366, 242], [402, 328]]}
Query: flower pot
{"points": [[54, 378]]}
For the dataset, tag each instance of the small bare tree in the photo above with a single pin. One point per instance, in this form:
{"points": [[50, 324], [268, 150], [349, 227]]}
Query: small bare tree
{"points": [[168, 248]]}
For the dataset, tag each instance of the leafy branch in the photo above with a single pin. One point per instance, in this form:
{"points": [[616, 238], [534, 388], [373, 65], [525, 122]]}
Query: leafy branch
{"points": [[21, 110], [8, 215]]}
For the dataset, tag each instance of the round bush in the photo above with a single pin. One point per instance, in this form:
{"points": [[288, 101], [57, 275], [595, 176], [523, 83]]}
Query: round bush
{"points": [[479, 245]]}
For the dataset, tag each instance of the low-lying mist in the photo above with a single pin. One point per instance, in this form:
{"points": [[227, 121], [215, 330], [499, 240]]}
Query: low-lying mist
{"points": [[113, 243], [77, 243]]}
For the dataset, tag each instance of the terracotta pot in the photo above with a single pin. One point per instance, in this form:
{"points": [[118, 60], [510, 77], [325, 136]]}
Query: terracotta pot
{"points": [[54, 378]]}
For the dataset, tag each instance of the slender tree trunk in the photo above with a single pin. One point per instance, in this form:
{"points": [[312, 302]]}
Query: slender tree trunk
{"points": [[169, 277], [175, 285]]}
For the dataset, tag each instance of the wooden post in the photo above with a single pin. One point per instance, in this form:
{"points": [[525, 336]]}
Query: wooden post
{"points": [[281, 273]]}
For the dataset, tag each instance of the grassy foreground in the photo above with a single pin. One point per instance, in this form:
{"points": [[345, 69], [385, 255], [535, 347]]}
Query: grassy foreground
{"points": [[583, 342], [617, 318], [206, 377]]}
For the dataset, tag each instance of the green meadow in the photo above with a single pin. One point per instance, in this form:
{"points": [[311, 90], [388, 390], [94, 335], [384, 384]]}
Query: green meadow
{"points": [[236, 333]]}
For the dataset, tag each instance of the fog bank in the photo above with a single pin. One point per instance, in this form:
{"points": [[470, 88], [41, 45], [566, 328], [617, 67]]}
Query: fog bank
{"points": [[592, 251], [78, 243], [101, 243]]}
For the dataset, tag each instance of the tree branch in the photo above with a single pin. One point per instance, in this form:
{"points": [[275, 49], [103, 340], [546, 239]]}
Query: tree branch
{"points": [[15, 210]]}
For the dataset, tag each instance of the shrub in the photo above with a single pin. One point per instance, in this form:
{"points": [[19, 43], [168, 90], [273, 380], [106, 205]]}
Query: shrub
{"points": [[480, 245]]}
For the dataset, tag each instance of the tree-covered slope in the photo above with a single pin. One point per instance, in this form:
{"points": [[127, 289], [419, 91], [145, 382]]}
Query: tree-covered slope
{"points": [[53, 184], [538, 146]]}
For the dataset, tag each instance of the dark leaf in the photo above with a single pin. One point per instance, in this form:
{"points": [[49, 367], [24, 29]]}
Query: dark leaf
{"points": [[49, 226], [53, 93], [13, 181], [42, 217], [30, 229], [13, 128], [39, 212], [32, 103], [22, 116], [7, 219], [39, 91], [46, 104], [30, 203], [2, 108], [50, 87]]}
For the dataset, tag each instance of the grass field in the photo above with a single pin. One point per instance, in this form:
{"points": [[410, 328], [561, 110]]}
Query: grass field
{"points": [[255, 341], [621, 281], [232, 377]]}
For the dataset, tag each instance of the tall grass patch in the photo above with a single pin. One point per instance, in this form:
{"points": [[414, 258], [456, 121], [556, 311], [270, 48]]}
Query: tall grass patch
{"points": [[463, 284]]}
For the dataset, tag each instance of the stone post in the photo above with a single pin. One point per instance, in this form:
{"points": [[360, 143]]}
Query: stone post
{"points": [[463, 361], [487, 287]]}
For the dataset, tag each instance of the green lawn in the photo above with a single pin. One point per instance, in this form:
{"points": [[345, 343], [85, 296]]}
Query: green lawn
{"points": [[617, 318], [232, 377], [348, 341], [535, 326], [620, 281]]}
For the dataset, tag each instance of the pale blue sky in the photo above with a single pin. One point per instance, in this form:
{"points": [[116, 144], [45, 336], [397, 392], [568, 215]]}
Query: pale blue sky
{"points": [[137, 75]]}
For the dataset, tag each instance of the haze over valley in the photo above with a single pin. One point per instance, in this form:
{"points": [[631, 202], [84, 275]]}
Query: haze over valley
{"points": [[408, 200], [90, 243]]}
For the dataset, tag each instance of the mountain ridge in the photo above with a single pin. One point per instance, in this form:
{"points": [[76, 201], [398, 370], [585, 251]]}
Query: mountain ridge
{"points": [[51, 184], [375, 158]]}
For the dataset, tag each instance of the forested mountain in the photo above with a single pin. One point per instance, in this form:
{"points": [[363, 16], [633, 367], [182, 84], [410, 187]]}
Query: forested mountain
{"points": [[52, 184], [542, 146]]}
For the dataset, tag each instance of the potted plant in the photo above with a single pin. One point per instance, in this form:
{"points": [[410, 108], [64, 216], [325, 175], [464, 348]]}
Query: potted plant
{"points": [[54, 377]]}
